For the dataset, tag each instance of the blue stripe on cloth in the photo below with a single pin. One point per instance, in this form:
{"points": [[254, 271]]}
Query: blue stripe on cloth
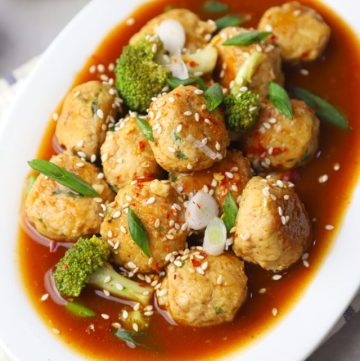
{"points": [[10, 79], [349, 313]]}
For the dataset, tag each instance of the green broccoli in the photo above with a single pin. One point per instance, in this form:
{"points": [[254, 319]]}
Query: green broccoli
{"points": [[242, 106], [86, 263], [138, 76]]}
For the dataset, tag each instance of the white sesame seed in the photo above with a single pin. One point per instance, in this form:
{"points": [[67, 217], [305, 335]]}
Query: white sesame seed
{"points": [[101, 68], [106, 293], [136, 307], [125, 314], [219, 280], [131, 265], [105, 316], [274, 312], [56, 331], [229, 175], [135, 327], [171, 99], [262, 290], [329, 227], [276, 277], [200, 270], [336, 167], [79, 164], [306, 263], [304, 72], [119, 286], [44, 297], [198, 91], [123, 229], [178, 128], [150, 200], [188, 113], [100, 113], [171, 149], [217, 146], [323, 179], [116, 325], [197, 117], [116, 214], [92, 69], [93, 158], [130, 21], [204, 265]]}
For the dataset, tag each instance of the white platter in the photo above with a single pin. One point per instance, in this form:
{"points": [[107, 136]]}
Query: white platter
{"points": [[22, 333]]}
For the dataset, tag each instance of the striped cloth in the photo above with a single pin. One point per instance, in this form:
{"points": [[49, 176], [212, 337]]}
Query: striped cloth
{"points": [[9, 86]]}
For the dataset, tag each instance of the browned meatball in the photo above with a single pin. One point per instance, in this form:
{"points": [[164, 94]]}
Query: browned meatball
{"points": [[84, 118], [300, 31], [187, 136], [229, 175], [272, 226], [202, 290], [126, 155], [61, 214], [160, 210], [198, 32], [278, 142], [231, 58]]}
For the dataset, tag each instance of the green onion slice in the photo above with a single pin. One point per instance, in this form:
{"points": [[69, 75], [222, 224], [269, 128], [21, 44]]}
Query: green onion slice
{"points": [[63, 177], [215, 7], [247, 38], [215, 237], [175, 82], [229, 20], [214, 96], [80, 310], [280, 99], [230, 211], [145, 128], [138, 232]]}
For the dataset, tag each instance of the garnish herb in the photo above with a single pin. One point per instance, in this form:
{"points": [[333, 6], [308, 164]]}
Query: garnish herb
{"points": [[229, 20], [63, 177], [322, 108], [230, 211], [30, 183], [176, 136], [172, 177], [138, 232], [79, 310], [175, 82], [180, 155], [145, 128], [280, 99], [214, 96], [215, 7], [94, 106], [129, 337], [247, 38], [219, 310]]}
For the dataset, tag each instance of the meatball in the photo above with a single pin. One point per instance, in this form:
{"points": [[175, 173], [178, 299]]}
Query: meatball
{"points": [[278, 142], [84, 118], [61, 214], [187, 136], [230, 174], [202, 290], [198, 32], [272, 226], [231, 58], [301, 32], [126, 154], [160, 210]]}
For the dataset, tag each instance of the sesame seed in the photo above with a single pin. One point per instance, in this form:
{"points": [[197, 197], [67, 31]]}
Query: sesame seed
{"points": [[262, 290], [157, 223], [106, 293], [56, 331], [125, 314], [131, 265], [274, 312], [200, 270], [197, 117], [198, 91], [92, 69], [219, 280], [336, 167], [107, 279], [304, 72], [323, 179], [93, 158], [162, 292], [116, 325], [171, 149], [229, 175], [329, 227], [204, 141], [105, 316], [116, 214], [100, 114], [123, 229], [111, 66], [171, 99], [119, 286], [150, 200], [101, 68], [306, 263], [79, 164], [178, 128], [188, 113], [204, 265], [276, 277], [135, 327], [44, 297], [136, 306], [130, 21]]}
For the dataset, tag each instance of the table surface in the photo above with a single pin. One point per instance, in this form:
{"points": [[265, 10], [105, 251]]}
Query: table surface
{"points": [[26, 28]]}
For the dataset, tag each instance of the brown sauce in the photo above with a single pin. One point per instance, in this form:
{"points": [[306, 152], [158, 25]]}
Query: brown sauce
{"points": [[335, 77]]}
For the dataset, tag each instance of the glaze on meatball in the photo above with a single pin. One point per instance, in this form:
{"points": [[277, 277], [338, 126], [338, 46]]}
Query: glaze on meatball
{"points": [[61, 214], [203, 290], [126, 155], [231, 58], [84, 118], [187, 136], [229, 175], [160, 210], [278, 142], [300, 31], [272, 226]]}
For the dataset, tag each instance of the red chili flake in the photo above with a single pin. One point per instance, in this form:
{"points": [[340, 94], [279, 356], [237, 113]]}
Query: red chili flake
{"points": [[195, 263], [292, 176], [141, 145], [175, 276], [278, 150]]}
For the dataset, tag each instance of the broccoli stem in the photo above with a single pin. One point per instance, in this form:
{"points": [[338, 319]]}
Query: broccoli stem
{"points": [[108, 279]]}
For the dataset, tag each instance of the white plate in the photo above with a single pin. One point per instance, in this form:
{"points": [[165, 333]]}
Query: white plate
{"points": [[22, 332]]}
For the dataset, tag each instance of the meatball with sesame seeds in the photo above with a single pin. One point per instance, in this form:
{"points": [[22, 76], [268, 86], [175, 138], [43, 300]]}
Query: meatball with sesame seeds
{"points": [[87, 111], [59, 213], [126, 155], [300, 31], [229, 175], [272, 226], [232, 58], [187, 137], [161, 212], [202, 290], [278, 142]]}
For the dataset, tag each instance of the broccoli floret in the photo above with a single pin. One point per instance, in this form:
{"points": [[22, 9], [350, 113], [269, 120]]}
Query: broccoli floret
{"points": [[86, 263], [242, 106], [138, 76], [241, 110], [129, 317]]}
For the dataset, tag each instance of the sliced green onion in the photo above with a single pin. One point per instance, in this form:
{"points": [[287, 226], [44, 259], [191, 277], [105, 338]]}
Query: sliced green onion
{"points": [[145, 128], [230, 211], [322, 108], [229, 20], [280, 99], [138, 232], [175, 82], [215, 7], [30, 183], [215, 237], [63, 177], [247, 38], [79, 310], [130, 337], [214, 96]]}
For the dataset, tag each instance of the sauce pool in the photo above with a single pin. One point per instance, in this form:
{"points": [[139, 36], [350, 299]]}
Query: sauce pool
{"points": [[334, 77]]}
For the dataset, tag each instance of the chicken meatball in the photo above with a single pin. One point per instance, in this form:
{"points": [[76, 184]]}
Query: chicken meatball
{"points": [[301, 32], [229, 175], [187, 136], [160, 210], [59, 213], [202, 290], [84, 118], [126, 154], [272, 226], [278, 142], [232, 58], [197, 32]]}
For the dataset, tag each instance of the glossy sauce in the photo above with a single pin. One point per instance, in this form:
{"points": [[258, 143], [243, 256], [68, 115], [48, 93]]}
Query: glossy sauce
{"points": [[336, 78]]}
